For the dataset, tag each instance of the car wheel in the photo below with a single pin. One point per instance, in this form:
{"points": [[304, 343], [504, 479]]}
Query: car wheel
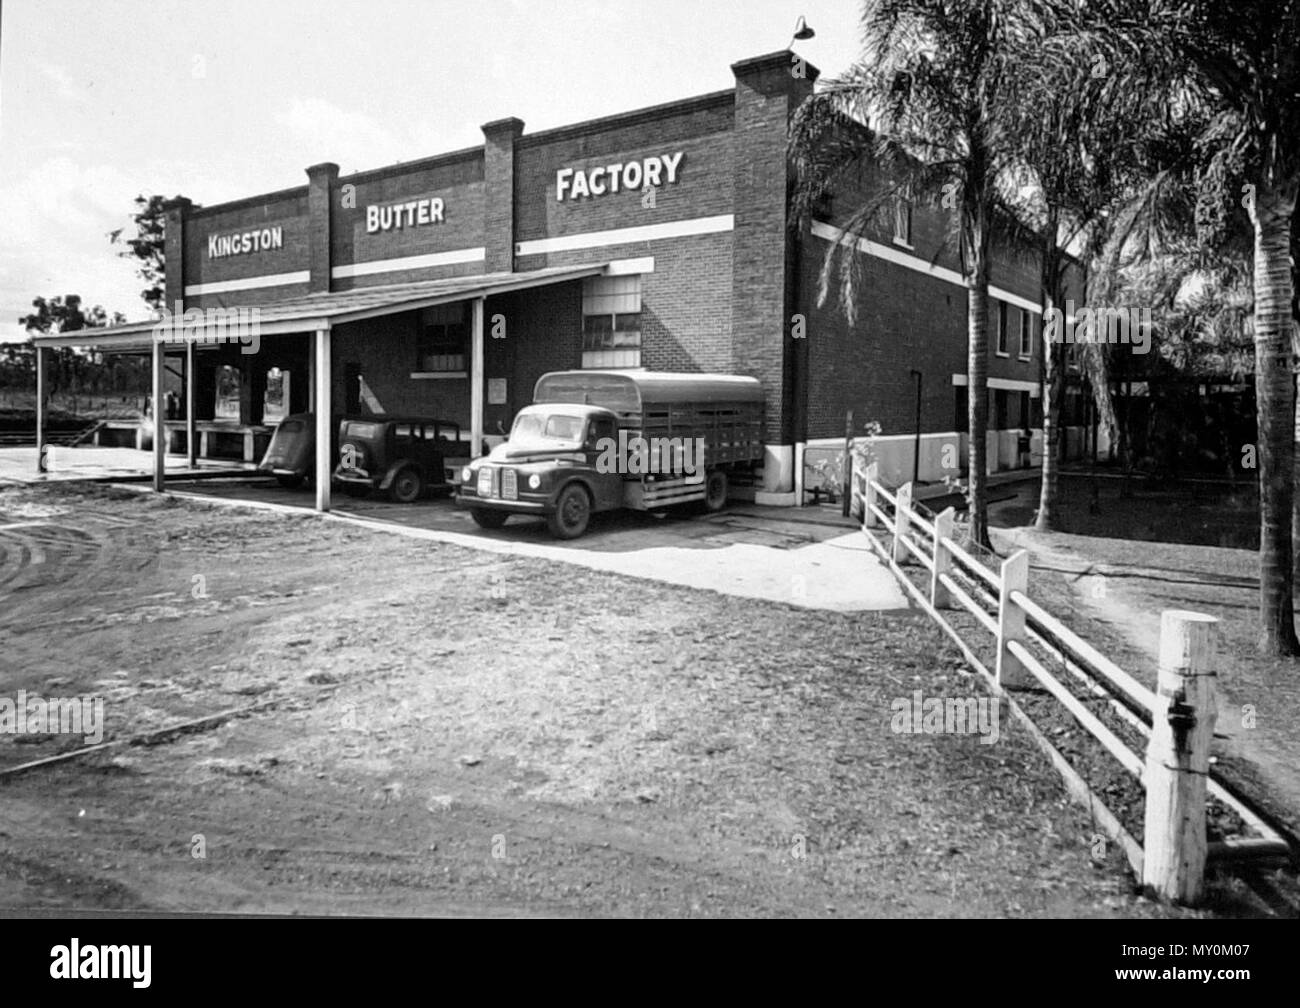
{"points": [[572, 513], [484, 518], [406, 487], [291, 482], [357, 489], [715, 491]]}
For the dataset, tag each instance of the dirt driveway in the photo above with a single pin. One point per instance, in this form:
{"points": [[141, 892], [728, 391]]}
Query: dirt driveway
{"points": [[443, 730], [811, 558]]}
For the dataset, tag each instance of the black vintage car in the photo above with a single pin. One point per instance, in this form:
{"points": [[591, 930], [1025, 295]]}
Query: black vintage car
{"points": [[405, 456], [291, 455]]}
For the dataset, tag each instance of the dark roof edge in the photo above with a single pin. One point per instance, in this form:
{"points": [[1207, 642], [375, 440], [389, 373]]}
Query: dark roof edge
{"points": [[436, 160], [246, 201], [715, 99]]}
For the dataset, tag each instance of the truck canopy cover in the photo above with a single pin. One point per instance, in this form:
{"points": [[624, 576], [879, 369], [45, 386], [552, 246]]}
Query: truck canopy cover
{"points": [[635, 391]]}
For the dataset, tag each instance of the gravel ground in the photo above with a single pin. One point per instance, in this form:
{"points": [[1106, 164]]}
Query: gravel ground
{"points": [[449, 731]]}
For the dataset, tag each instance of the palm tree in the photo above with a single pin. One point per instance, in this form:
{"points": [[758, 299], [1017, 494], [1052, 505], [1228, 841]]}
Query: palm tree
{"points": [[1074, 179], [922, 116], [1235, 70]]}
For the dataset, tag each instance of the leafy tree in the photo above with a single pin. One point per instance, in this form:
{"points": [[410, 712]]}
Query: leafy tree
{"points": [[64, 314], [147, 247]]}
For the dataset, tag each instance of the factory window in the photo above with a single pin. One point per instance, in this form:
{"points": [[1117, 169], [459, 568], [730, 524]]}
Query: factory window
{"points": [[903, 221], [229, 393], [442, 342], [275, 402], [611, 322], [1004, 333]]}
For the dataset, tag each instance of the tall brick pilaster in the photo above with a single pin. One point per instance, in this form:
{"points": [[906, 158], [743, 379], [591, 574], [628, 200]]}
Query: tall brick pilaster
{"points": [[768, 91], [499, 193], [321, 183], [174, 213]]}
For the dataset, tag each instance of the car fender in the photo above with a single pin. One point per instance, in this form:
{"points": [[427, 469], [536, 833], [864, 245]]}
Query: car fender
{"points": [[397, 467]]}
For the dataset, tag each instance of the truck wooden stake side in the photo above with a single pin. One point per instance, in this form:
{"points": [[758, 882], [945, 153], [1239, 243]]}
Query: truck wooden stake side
{"points": [[599, 440]]}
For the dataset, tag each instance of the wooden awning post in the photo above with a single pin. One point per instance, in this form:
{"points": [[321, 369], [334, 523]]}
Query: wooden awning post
{"points": [[41, 393], [159, 422], [191, 426], [1178, 758], [321, 402], [476, 379]]}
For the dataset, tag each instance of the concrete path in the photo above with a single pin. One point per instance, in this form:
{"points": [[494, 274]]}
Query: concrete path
{"points": [[810, 558], [18, 465]]}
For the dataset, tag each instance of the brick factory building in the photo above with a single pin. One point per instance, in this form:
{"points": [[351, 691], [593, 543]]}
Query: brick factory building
{"points": [[656, 239]]}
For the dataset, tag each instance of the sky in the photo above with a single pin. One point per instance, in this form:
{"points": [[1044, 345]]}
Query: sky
{"points": [[101, 100]]}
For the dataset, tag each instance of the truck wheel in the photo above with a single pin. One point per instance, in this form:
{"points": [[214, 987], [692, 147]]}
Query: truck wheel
{"points": [[572, 513], [484, 518], [406, 486], [291, 482], [715, 491]]}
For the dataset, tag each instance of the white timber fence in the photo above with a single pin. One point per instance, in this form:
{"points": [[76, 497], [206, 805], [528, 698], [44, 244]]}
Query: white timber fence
{"points": [[1177, 719]]}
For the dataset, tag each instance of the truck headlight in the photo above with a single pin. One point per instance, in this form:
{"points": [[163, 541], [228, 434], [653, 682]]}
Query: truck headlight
{"points": [[466, 474], [534, 481]]}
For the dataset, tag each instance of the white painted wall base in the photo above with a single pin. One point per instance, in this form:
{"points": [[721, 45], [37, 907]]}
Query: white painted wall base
{"points": [[940, 456], [778, 469]]}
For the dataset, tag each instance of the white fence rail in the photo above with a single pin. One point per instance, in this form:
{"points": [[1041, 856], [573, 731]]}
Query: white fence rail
{"points": [[1177, 718]]}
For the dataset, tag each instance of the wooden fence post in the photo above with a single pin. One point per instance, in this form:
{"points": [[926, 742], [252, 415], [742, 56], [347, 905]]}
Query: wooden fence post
{"points": [[902, 519], [1178, 757], [869, 518], [940, 597], [1011, 618]]}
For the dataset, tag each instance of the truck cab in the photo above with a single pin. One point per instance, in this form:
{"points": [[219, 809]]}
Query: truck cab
{"points": [[550, 466]]}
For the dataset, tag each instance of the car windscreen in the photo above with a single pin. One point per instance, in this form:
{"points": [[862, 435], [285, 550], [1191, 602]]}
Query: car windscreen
{"points": [[546, 429], [363, 431]]}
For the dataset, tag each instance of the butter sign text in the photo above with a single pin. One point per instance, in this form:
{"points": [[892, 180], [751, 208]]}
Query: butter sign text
{"points": [[404, 215], [575, 183]]}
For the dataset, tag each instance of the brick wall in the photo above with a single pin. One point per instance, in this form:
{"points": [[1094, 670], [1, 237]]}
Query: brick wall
{"points": [[386, 351], [902, 317], [457, 180], [906, 319], [543, 333], [699, 128], [285, 210]]}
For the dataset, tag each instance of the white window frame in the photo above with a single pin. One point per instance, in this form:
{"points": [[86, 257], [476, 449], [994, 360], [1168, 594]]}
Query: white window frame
{"points": [[613, 296]]}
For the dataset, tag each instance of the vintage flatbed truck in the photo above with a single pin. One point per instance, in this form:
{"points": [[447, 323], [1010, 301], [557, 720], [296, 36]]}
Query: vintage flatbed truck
{"points": [[599, 440]]}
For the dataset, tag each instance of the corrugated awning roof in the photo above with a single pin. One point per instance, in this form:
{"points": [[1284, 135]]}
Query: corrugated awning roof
{"points": [[309, 312]]}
